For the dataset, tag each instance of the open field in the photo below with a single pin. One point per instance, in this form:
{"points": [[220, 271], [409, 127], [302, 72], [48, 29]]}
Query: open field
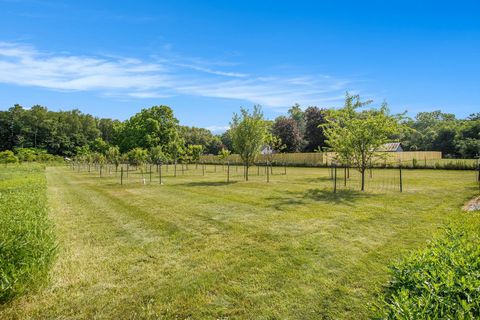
{"points": [[198, 248]]}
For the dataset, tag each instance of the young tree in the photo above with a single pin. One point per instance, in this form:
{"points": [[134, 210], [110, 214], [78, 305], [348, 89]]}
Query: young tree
{"points": [[8, 156], [194, 151], [224, 154], [248, 133], [137, 156], [113, 156], [357, 136], [156, 155]]}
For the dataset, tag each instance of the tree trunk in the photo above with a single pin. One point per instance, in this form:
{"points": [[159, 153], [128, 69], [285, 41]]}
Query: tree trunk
{"points": [[363, 179]]}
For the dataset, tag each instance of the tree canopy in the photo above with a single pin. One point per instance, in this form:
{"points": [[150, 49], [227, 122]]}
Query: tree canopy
{"points": [[248, 132], [357, 135]]}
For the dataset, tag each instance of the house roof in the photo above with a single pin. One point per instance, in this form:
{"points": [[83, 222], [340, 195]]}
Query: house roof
{"points": [[389, 147]]}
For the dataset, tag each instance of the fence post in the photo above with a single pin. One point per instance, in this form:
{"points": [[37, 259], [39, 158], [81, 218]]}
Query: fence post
{"points": [[121, 175], [160, 173], [127, 170], [228, 171], [203, 168], [150, 173], [100, 170], [175, 168], [335, 179], [285, 168], [345, 175], [401, 182], [268, 173]]}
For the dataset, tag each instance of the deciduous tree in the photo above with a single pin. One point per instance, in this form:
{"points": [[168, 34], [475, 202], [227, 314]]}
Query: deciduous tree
{"points": [[356, 136], [248, 132]]}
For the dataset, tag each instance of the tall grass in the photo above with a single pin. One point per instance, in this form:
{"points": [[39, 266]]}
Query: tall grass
{"points": [[27, 240]]}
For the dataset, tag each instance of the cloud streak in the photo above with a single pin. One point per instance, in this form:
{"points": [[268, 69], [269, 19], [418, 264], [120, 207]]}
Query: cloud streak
{"points": [[25, 65]]}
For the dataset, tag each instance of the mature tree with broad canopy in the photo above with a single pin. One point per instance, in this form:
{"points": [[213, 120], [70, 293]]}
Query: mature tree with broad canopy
{"points": [[286, 129], [149, 128], [314, 136], [356, 136], [248, 133]]}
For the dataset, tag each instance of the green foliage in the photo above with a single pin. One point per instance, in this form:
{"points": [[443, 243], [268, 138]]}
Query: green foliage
{"points": [[226, 141], [27, 154], [27, 240], [113, 156], [439, 282], [200, 136], [149, 128], [286, 130], [137, 156], [194, 151], [439, 131], [296, 113], [356, 136], [314, 135], [224, 154], [8, 156], [248, 133], [156, 155], [99, 145]]}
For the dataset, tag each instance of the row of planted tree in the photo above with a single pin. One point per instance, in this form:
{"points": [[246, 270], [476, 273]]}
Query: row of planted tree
{"points": [[100, 165]]}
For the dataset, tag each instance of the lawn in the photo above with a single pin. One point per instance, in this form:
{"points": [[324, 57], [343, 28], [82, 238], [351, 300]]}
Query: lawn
{"points": [[198, 248]]}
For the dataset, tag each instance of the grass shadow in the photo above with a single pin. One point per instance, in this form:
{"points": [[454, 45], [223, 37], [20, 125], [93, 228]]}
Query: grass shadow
{"points": [[342, 196], [207, 183], [317, 179]]}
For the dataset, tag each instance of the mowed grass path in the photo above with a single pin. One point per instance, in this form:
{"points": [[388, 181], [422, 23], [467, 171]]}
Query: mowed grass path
{"points": [[197, 248]]}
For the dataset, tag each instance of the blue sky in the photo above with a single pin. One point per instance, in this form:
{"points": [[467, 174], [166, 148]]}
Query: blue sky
{"points": [[205, 59]]}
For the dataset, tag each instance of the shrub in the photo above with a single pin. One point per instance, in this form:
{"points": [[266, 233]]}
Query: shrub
{"points": [[27, 242], [8, 156], [439, 282]]}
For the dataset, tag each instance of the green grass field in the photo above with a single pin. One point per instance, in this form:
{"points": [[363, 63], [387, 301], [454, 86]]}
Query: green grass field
{"points": [[198, 248]]}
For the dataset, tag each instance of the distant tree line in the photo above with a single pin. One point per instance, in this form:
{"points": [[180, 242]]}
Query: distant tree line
{"points": [[67, 133]]}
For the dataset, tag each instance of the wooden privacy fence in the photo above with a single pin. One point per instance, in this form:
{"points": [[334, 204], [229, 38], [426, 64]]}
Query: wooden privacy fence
{"points": [[319, 159]]}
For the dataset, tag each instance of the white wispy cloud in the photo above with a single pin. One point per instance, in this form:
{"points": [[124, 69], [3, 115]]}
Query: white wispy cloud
{"points": [[25, 65], [218, 129]]}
